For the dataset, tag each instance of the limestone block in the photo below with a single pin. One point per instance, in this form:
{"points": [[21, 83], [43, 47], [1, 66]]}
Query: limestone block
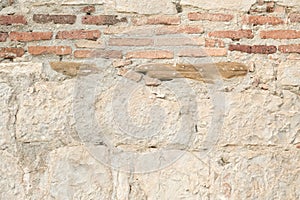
{"points": [[145, 7], [13, 182], [82, 2], [72, 173], [289, 73], [243, 5]]}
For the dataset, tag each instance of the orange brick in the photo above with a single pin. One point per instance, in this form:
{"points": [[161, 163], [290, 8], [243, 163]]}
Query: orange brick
{"points": [[150, 54], [30, 36], [11, 52], [280, 34], [232, 34], [214, 43], [261, 20], [292, 48], [196, 16], [41, 50], [97, 54], [197, 52], [216, 52], [79, 34], [12, 19]]}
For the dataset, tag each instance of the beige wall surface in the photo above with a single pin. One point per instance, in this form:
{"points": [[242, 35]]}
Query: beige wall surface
{"points": [[161, 99]]}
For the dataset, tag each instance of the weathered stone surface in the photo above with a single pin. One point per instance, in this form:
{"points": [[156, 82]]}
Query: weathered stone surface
{"points": [[289, 73], [226, 4], [273, 121], [74, 166], [13, 179], [294, 3], [82, 2], [115, 119], [151, 81], [146, 7], [198, 176]]}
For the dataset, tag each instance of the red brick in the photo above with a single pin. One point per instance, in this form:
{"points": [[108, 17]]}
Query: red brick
{"points": [[79, 34], [130, 42], [97, 54], [261, 20], [280, 34], [41, 50], [11, 52], [197, 52], [292, 48], [30, 36], [156, 19], [294, 17], [102, 19], [235, 35], [189, 29], [261, 49], [56, 19], [180, 41], [88, 9], [196, 16], [12, 19], [3, 37], [150, 54], [214, 43]]}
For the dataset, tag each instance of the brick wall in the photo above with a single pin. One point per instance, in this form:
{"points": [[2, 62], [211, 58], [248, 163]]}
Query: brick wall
{"points": [[267, 28]]}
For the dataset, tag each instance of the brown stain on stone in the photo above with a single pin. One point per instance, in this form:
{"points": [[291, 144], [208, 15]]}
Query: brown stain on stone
{"points": [[205, 72], [73, 68]]}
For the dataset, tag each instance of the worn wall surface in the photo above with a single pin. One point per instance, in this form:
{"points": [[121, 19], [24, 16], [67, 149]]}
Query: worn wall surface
{"points": [[139, 99]]}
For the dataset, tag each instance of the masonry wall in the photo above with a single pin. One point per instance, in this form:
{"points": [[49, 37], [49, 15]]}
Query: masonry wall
{"points": [[183, 99]]}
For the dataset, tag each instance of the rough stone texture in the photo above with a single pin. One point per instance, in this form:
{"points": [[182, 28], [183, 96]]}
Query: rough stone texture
{"points": [[130, 100], [226, 4], [82, 2], [289, 73], [145, 7], [289, 2]]}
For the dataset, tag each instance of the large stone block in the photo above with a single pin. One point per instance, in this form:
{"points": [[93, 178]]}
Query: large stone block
{"points": [[243, 5], [13, 179], [72, 173], [258, 118], [82, 2], [146, 7], [294, 3], [289, 73]]}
